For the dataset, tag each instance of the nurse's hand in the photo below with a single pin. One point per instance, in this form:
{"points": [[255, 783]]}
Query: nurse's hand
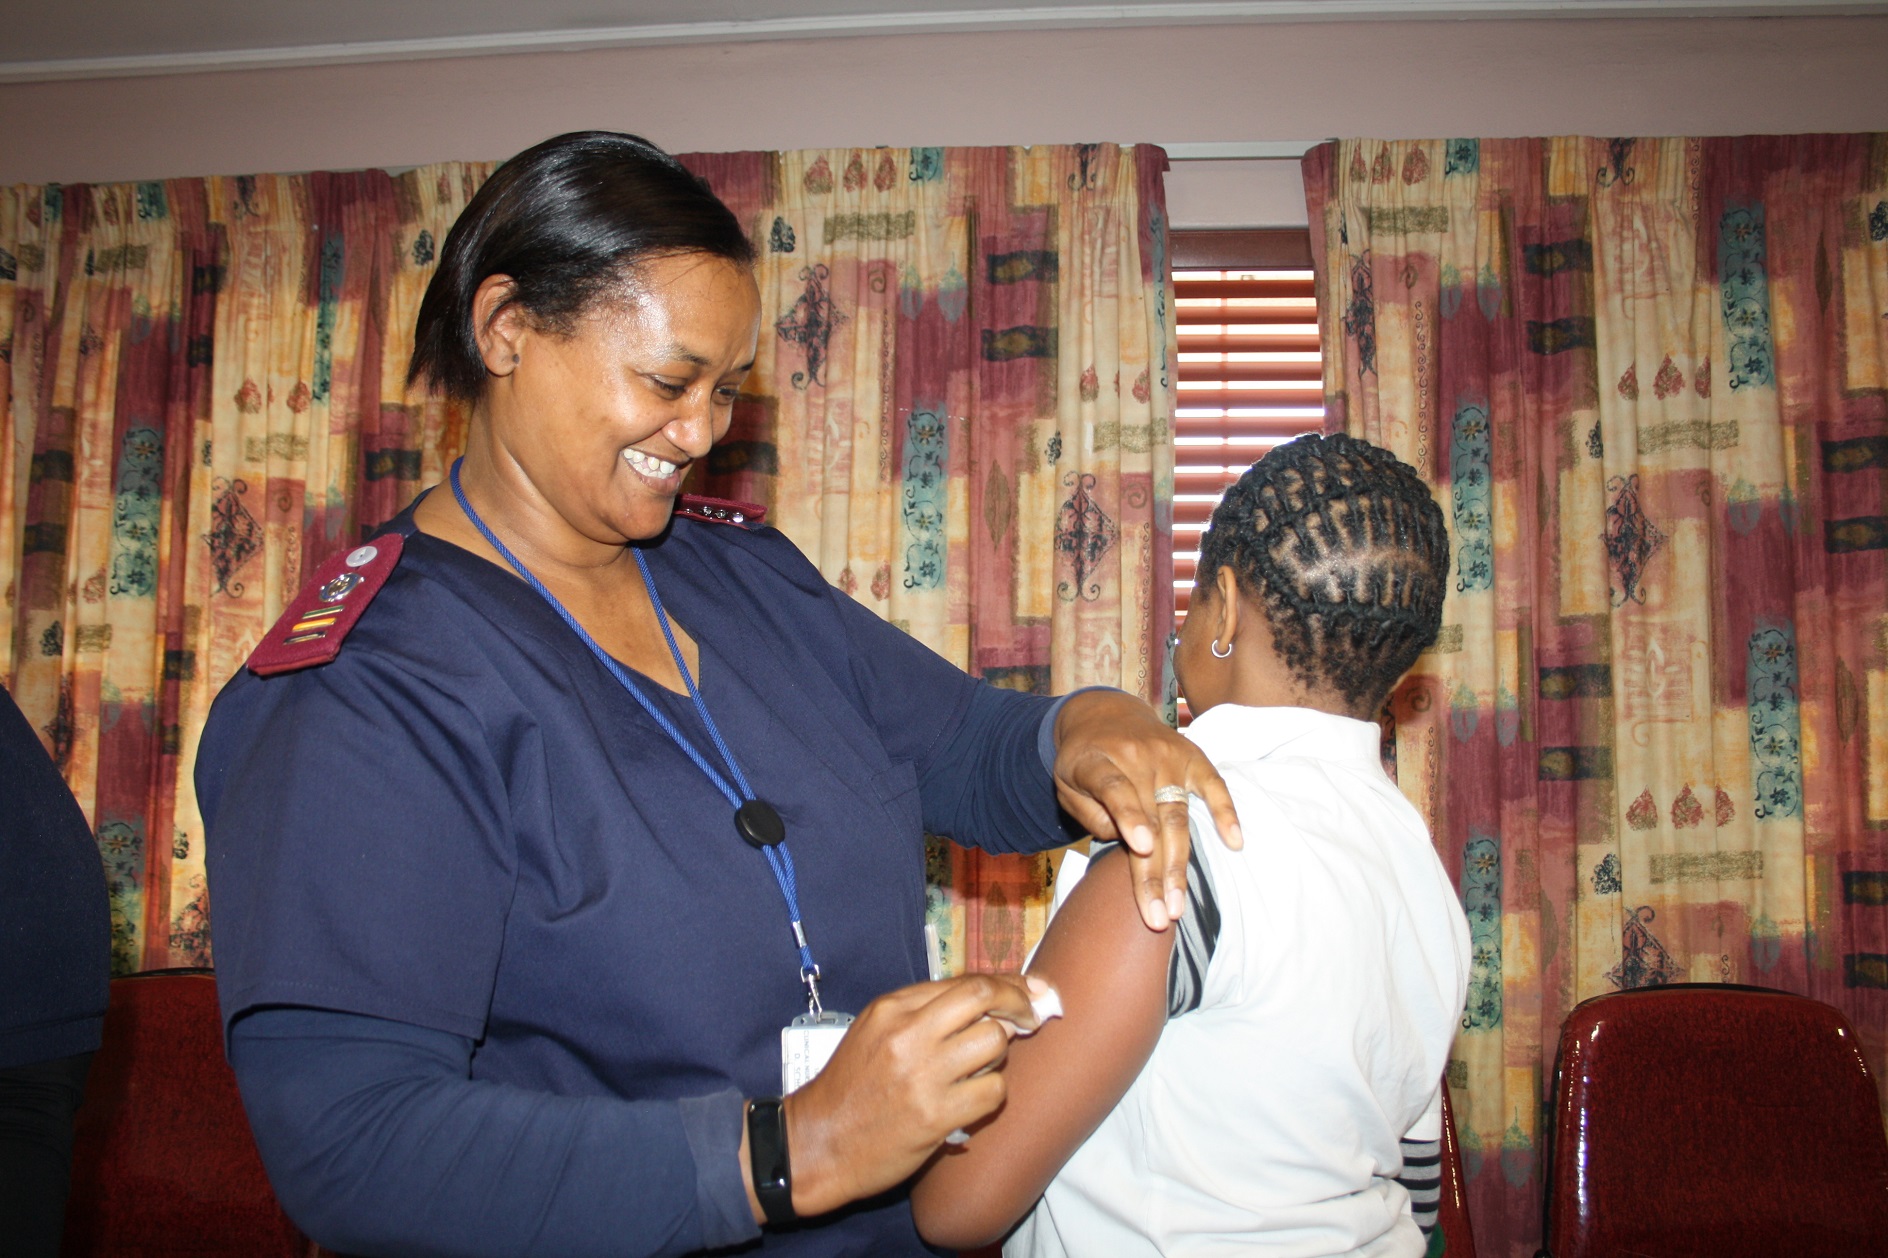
{"points": [[915, 1066], [1112, 753]]}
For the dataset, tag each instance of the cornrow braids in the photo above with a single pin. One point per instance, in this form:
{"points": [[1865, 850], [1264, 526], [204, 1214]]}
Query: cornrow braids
{"points": [[1346, 550]]}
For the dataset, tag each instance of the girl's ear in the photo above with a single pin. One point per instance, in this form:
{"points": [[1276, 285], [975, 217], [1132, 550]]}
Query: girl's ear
{"points": [[1226, 587]]}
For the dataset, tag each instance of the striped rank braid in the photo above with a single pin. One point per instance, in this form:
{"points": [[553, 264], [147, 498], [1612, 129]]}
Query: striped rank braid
{"points": [[1344, 546]]}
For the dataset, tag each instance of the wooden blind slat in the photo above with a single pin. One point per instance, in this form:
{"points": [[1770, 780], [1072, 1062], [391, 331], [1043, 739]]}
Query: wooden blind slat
{"points": [[1235, 442], [1255, 313], [1302, 292], [1251, 343], [1270, 324], [1225, 374], [1226, 398]]}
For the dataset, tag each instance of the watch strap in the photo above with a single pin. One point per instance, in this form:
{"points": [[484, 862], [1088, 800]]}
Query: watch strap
{"points": [[767, 1157]]}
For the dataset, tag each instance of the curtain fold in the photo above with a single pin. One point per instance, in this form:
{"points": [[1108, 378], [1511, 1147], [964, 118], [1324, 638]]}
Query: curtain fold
{"points": [[961, 411], [1649, 380]]}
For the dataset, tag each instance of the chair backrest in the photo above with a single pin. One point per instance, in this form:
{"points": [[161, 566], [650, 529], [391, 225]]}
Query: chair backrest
{"points": [[163, 1160], [1452, 1209], [1713, 1119]]}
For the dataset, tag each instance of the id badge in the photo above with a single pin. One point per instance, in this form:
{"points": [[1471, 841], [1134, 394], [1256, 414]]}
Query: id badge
{"points": [[807, 1044]]}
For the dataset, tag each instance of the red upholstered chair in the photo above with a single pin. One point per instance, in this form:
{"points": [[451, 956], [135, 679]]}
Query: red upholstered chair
{"points": [[163, 1162], [1452, 1212], [1713, 1119]]}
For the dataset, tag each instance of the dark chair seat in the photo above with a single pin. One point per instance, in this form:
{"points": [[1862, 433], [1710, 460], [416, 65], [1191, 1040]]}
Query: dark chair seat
{"points": [[1707, 1120]]}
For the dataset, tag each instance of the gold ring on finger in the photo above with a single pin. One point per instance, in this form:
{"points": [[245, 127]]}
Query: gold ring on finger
{"points": [[1170, 794]]}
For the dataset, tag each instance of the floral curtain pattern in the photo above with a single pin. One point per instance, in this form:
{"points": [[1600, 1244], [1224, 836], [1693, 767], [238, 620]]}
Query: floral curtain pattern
{"points": [[961, 412], [1649, 380]]}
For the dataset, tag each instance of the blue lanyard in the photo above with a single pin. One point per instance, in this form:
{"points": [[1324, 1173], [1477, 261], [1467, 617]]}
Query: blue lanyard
{"points": [[755, 819]]}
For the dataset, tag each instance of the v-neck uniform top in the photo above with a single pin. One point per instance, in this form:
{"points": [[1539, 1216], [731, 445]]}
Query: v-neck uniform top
{"points": [[464, 823]]}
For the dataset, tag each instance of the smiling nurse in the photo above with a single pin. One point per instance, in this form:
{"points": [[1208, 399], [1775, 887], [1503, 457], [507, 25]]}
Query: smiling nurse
{"points": [[531, 830]]}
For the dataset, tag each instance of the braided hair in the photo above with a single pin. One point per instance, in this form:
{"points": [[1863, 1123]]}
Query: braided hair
{"points": [[1343, 546]]}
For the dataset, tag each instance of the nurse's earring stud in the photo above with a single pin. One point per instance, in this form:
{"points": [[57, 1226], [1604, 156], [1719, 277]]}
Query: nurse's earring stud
{"points": [[1219, 654]]}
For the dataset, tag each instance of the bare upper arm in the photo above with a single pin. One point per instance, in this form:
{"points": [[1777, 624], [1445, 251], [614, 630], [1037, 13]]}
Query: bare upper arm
{"points": [[1111, 972]]}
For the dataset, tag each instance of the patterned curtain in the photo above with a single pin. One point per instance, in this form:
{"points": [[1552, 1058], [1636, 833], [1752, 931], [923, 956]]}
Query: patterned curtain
{"points": [[1649, 380], [201, 396], [961, 412]]}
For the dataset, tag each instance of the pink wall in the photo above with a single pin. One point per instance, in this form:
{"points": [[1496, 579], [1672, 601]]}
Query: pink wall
{"points": [[1178, 84]]}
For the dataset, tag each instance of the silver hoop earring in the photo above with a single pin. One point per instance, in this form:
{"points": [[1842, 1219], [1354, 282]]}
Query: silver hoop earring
{"points": [[1217, 653]]}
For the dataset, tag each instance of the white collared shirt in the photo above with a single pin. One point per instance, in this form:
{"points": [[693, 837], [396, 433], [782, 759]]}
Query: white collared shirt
{"points": [[1269, 1118]]}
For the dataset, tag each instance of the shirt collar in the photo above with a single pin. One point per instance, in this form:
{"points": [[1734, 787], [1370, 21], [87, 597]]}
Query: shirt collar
{"points": [[1230, 733]]}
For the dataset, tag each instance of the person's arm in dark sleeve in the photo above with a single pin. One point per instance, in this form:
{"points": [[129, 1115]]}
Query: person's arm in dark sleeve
{"points": [[377, 1141], [985, 756], [991, 784], [55, 920]]}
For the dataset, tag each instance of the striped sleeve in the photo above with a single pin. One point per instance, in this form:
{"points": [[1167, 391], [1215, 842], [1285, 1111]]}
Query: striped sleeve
{"points": [[1196, 936], [1422, 1177]]}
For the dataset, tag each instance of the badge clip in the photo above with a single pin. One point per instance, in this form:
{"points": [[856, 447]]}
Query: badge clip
{"points": [[810, 976]]}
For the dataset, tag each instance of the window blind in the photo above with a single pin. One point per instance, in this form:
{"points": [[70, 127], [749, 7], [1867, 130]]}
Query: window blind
{"points": [[1251, 372]]}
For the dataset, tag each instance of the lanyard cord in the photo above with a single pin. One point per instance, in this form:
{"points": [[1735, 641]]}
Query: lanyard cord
{"points": [[777, 855]]}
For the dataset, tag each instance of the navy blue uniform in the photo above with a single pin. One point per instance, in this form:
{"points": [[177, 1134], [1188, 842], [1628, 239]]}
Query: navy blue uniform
{"points": [[464, 826]]}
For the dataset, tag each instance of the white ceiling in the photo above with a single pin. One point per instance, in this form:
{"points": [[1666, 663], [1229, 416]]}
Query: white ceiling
{"points": [[48, 39]]}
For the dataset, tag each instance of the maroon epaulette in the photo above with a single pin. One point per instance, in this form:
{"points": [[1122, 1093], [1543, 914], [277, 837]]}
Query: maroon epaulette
{"points": [[310, 632], [719, 510]]}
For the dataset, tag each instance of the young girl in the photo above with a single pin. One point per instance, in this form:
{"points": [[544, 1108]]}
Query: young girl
{"points": [[1251, 1081]]}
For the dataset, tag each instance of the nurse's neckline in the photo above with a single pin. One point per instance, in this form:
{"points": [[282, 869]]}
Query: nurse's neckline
{"points": [[453, 551]]}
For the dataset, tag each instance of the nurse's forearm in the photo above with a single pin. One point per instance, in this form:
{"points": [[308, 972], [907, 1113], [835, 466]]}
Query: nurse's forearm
{"points": [[378, 1144]]}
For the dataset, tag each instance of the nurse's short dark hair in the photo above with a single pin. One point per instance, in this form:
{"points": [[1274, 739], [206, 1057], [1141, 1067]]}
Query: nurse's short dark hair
{"points": [[569, 220]]}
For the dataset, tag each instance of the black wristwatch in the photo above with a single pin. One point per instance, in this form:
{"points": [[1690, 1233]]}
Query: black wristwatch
{"points": [[767, 1155]]}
